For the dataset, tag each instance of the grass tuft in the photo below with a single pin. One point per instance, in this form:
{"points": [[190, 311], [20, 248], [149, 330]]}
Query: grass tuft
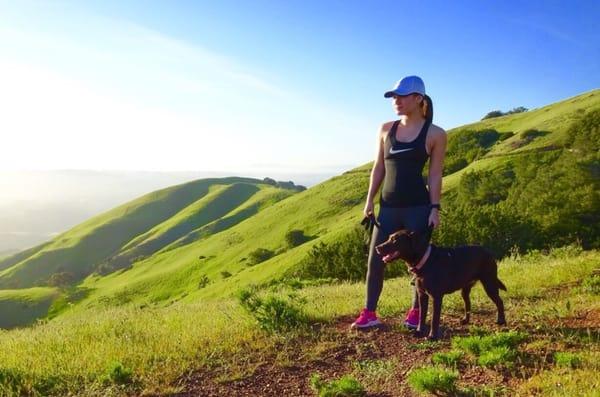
{"points": [[118, 374], [346, 386], [478, 345], [591, 284], [499, 349], [498, 356], [273, 313], [436, 380], [568, 360], [449, 359]]}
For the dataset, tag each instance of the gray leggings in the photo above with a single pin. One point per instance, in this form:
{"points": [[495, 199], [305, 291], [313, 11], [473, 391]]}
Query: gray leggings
{"points": [[391, 220]]}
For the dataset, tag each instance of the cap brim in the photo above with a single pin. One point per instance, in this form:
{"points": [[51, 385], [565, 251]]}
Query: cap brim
{"points": [[390, 94]]}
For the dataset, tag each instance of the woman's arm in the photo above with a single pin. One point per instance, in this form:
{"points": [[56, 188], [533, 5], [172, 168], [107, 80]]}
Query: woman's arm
{"points": [[436, 167], [377, 172]]}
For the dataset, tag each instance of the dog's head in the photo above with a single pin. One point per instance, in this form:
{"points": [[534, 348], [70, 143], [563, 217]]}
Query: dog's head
{"points": [[403, 244]]}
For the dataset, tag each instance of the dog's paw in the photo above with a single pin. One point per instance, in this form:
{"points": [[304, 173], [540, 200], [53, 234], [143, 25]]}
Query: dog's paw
{"points": [[501, 322], [432, 337], [464, 321]]}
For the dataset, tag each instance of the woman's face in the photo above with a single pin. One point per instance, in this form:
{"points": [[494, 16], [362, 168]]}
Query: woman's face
{"points": [[406, 104]]}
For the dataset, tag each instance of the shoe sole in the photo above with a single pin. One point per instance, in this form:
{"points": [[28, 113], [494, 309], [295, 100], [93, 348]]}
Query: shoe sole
{"points": [[371, 323], [410, 326]]}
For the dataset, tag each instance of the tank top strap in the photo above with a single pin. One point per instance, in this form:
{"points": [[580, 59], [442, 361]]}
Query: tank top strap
{"points": [[392, 132], [423, 133]]}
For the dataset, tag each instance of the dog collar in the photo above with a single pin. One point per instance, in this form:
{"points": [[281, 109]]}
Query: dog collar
{"points": [[422, 261]]}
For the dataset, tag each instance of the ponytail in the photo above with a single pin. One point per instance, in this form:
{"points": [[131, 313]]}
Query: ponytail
{"points": [[427, 108]]}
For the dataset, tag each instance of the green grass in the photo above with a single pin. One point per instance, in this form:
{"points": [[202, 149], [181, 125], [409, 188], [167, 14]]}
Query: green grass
{"points": [[147, 317], [165, 232], [436, 380], [375, 374], [23, 306], [449, 359], [346, 386], [167, 214], [568, 360], [159, 343], [156, 345]]}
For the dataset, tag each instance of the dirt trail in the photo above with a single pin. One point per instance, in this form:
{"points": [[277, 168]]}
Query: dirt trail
{"points": [[349, 347]]}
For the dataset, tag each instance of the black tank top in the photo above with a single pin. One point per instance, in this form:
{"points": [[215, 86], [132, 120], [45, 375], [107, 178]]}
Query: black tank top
{"points": [[403, 185]]}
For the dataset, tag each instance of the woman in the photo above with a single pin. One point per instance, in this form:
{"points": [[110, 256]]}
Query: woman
{"points": [[403, 147]]}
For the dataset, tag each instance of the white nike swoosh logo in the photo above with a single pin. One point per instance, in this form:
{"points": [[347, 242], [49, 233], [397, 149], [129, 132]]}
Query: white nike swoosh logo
{"points": [[392, 151]]}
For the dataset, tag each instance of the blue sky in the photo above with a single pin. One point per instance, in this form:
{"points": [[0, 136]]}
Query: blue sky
{"points": [[267, 86]]}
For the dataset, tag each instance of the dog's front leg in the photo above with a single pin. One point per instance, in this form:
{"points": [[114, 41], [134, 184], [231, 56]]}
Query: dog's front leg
{"points": [[434, 332], [423, 308]]}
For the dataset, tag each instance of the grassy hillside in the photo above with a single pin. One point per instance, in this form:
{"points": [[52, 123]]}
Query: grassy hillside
{"points": [[216, 348], [219, 264], [322, 213], [198, 240], [513, 183], [22, 306], [79, 250], [14, 258], [113, 240]]}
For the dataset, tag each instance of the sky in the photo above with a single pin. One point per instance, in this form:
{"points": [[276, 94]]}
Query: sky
{"points": [[267, 86]]}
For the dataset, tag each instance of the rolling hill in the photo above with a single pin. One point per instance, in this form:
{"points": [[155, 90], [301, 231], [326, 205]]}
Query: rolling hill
{"points": [[197, 240], [142, 295]]}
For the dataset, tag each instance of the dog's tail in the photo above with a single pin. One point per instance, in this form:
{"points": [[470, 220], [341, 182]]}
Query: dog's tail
{"points": [[500, 284]]}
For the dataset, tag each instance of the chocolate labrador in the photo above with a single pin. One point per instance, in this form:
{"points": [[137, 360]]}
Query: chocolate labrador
{"points": [[440, 271]]}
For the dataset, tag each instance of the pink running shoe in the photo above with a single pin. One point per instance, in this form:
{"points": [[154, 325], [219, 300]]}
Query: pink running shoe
{"points": [[412, 318], [366, 319]]}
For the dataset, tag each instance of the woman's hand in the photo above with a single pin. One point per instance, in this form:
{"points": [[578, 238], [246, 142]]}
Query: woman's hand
{"points": [[434, 218], [368, 211]]}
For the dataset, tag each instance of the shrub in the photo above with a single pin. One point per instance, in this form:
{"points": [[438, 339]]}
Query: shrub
{"points": [[498, 113], [519, 109], [492, 114], [204, 281], [270, 181], [466, 146], [454, 164], [11, 381], [343, 259], [273, 313], [450, 359], [117, 374], [259, 255], [51, 385], [346, 386], [531, 134], [569, 360], [540, 200], [294, 238], [61, 279], [592, 284], [433, 380]]}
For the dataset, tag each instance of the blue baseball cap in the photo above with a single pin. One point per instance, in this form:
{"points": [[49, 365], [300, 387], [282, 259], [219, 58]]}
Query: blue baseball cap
{"points": [[408, 85]]}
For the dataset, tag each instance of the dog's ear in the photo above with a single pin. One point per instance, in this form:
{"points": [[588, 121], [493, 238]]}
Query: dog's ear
{"points": [[417, 239]]}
